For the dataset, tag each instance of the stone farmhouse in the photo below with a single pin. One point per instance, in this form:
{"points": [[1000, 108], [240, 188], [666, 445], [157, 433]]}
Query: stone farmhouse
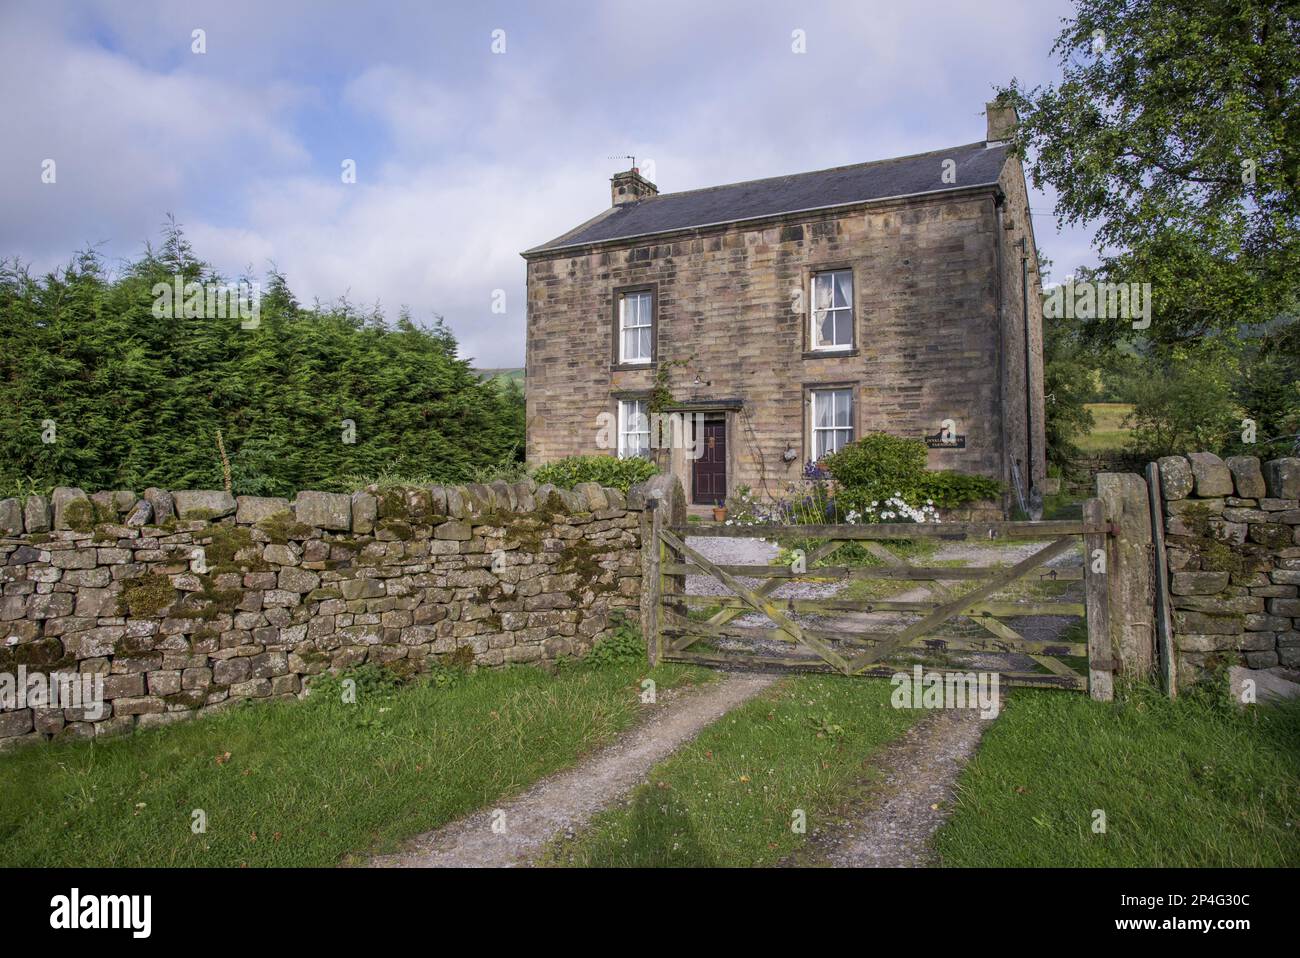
{"points": [[785, 317]]}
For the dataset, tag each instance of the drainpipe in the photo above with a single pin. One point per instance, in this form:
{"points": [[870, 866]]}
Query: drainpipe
{"points": [[1000, 254], [1031, 487]]}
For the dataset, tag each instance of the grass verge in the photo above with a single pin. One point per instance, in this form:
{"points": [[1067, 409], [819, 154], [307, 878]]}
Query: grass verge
{"points": [[1188, 783], [728, 798], [307, 783]]}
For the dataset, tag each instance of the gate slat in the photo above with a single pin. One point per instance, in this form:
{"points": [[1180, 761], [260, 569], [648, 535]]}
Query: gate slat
{"points": [[767, 588], [759, 604], [1006, 610], [895, 530], [948, 609], [1022, 679], [694, 631], [952, 573]]}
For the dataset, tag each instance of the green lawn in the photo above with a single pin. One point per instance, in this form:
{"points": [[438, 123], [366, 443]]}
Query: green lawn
{"points": [[307, 783], [1190, 783], [728, 798], [1108, 433]]}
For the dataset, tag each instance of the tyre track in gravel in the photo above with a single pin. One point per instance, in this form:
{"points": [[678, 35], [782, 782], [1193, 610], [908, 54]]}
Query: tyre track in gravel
{"points": [[565, 801]]}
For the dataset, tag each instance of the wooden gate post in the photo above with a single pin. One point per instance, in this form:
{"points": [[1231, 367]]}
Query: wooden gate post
{"points": [[1164, 627], [1101, 655], [651, 524], [1130, 573], [664, 504]]}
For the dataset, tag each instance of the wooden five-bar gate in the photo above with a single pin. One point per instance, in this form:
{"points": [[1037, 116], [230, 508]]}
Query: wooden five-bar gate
{"points": [[971, 593]]}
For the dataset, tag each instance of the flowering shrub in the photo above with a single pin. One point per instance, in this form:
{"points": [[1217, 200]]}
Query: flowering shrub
{"points": [[815, 470], [893, 509], [746, 509]]}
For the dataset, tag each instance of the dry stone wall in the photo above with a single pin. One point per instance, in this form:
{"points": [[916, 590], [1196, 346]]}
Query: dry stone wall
{"points": [[189, 601], [1232, 538]]}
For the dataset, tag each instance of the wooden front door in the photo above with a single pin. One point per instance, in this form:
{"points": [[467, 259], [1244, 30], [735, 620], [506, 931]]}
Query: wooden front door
{"points": [[709, 472]]}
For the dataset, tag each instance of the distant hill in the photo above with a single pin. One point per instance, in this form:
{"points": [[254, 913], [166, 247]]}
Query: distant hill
{"points": [[504, 373]]}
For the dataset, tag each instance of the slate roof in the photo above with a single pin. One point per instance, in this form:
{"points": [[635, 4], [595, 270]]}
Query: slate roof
{"points": [[976, 165]]}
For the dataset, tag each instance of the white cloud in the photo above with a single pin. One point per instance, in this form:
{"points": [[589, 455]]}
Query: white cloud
{"points": [[463, 158]]}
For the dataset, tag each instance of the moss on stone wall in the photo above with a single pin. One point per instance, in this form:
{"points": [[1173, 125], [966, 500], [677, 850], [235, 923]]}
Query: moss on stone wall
{"points": [[79, 515], [41, 656], [580, 557], [211, 602], [187, 698], [145, 595], [1214, 546], [392, 503], [282, 527], [396, 528]]}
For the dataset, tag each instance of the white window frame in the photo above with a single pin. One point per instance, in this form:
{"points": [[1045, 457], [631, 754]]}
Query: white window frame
{"points": [[623, 327], [814, 429], [627, 410], [812, 311]]}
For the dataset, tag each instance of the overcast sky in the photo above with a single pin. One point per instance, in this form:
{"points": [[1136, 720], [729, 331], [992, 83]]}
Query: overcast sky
{"points": [[464, 157]]}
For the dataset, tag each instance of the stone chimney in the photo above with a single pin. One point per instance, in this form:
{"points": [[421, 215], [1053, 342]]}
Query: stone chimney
{"points": [[631, 187], [1002, 119]]}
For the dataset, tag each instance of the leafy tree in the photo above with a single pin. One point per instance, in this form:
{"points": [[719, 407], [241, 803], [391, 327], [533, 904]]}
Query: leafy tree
{"points": [[1068, 385], [1176, 129], [1268, 391], [1187, 405]]}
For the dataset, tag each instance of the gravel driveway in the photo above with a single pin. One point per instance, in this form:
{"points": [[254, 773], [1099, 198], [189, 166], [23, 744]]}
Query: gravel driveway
{"points": [[516, 831]]}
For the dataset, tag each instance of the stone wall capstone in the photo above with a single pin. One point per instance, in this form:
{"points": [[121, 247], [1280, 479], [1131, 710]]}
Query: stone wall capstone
{"points": [[1233, 555], [189, 601]]}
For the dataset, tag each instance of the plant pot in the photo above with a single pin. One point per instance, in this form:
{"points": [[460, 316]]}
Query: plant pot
{"points": [[719, 513]]}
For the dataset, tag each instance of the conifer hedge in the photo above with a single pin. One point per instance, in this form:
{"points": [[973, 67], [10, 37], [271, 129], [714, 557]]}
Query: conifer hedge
{"points": [[136, 400]]}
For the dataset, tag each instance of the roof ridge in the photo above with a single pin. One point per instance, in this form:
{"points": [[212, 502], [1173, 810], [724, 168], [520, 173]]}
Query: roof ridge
{"points": [[871, 181], [829, 169]]}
